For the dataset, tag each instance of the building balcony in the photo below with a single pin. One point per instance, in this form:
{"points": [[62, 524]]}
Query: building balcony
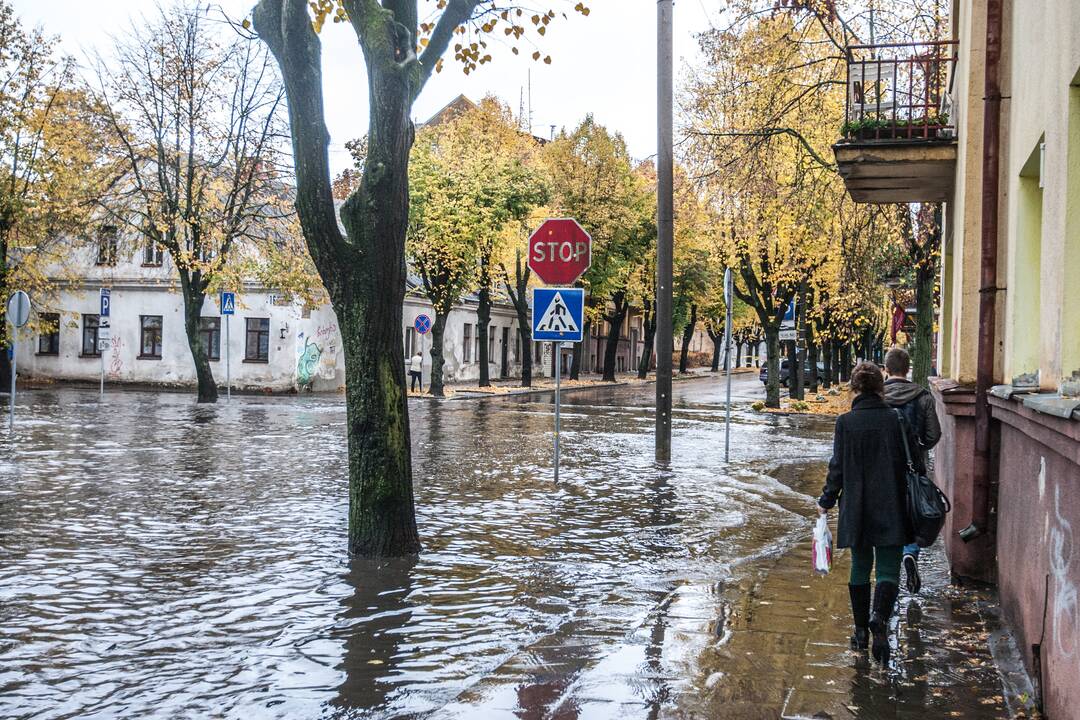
{"points": [[899, 139]]}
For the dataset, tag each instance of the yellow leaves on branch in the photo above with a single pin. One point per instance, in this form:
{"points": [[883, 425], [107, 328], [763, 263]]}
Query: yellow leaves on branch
{"points": [[471, 52]]}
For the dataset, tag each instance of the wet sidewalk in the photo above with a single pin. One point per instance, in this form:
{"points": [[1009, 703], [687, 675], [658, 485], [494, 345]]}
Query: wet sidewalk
{"points": [[784, 652]]}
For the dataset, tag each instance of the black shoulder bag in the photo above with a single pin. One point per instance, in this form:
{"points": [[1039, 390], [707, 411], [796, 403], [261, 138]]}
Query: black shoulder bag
{"points": [[927, 506]]}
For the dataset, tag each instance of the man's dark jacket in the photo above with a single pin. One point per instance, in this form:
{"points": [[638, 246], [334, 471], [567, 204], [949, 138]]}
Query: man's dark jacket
{"points": [[899, 392], [867, 473]]}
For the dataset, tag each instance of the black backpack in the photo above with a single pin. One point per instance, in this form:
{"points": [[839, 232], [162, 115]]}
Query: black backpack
{"points": [[927, 506]]}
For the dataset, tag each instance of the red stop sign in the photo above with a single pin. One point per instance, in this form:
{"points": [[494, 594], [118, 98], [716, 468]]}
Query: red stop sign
{"points": [[560, 251]]}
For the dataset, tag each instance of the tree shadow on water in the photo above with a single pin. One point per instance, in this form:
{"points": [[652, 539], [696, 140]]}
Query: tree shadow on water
{"points": [[370, 625]]}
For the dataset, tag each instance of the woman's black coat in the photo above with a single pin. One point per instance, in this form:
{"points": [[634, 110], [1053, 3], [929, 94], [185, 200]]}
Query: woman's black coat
{"points": [[868, 474]]}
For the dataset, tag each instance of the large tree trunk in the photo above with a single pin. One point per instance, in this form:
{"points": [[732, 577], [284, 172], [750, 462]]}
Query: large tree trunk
{"points": [[518, 293], [483, 326], [194, 295], [436, 385], [793, 361], [922, 357], [611, 347], [525, 333], [826, 360], [812, 357], [717, 343], [738, 355], [645, 362], [845, 363], [687, 336], [772, 363], [578, 353], [364, 273], [5, 292]]}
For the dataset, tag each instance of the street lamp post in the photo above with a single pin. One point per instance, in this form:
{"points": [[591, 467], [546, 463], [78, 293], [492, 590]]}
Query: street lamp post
{"points": [[665, 216]]}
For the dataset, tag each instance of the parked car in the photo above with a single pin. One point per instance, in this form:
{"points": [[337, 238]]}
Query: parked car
{"points": [[785, 372]]}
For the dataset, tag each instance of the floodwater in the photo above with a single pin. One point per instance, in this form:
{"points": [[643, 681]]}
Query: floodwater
{"points": [[161, 559]]}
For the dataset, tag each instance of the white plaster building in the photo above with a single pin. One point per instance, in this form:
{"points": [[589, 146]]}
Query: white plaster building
{"points": [[273, 343]]}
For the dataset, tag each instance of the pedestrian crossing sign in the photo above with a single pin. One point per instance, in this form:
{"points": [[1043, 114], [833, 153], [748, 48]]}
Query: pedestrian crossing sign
{"points": [[228, 303], [558, 314]]}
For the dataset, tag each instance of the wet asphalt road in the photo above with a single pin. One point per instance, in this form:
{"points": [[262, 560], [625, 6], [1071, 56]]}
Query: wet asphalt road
{"points": [[161, 559]]}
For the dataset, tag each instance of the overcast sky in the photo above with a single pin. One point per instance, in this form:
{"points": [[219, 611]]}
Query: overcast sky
{"points": [[603, 64]]}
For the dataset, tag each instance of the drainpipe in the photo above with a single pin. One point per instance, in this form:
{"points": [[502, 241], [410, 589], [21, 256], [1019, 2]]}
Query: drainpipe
{"points": [[984, 374]]}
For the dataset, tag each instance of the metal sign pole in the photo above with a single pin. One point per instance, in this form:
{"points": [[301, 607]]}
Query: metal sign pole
{"points": [[17, 313], [556, 348], [228, 364], [14, 369], [727, 364], [101, 354]]}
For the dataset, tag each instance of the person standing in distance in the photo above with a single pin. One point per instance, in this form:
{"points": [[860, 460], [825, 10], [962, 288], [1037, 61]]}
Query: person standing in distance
{"points": [[416, 371], [867, 475], [917, 406]]}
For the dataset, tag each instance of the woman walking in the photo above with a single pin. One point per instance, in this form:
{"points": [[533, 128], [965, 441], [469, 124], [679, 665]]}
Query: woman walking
{"points": [[867, 474]]}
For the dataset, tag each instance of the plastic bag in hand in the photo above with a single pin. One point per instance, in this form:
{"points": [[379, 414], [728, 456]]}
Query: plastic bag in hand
{"points": [[822, 546]]}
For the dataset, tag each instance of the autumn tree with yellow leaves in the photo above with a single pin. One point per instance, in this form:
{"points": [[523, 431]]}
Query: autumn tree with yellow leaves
{"points": [[196, 123], [51, 167], [772, 188], [594, 180], [474, 181]]}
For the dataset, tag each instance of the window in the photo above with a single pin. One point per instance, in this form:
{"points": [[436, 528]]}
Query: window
{"points": [[153, 254], [410, 341], [90, 335], [257, 345], [150, 337], [538, 351], [49, 338], [210, 334], [517, 347], [491, 343], [201, 253], [467, 343], [108, 237]]}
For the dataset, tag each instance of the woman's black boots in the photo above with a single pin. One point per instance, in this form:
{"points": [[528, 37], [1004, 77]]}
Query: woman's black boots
{"points": [[884, 600], [860, 612]]}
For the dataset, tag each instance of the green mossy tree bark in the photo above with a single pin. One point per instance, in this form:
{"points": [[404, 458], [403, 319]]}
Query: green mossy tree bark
{"points": [[193, 288], [436, 385], [364, 270], [924, 247]]}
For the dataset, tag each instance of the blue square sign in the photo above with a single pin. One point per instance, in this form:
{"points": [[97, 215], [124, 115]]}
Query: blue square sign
{"points": [[228, 303], [558, 314]]}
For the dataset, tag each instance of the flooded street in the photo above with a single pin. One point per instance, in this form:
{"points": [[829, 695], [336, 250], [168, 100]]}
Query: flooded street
{"points": [[159, 559]]}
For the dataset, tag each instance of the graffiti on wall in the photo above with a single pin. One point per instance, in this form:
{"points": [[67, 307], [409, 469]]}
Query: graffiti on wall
{"points": [[116, 360], [316, 355], [307, 363], [1066, 611]]}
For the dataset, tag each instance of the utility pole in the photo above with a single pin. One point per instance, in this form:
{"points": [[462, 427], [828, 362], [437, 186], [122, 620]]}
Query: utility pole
{"points": [[665, 216]]}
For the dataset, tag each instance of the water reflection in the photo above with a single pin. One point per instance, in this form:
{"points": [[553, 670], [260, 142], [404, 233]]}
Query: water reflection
{"points": [[377, 608], [160, 559]]}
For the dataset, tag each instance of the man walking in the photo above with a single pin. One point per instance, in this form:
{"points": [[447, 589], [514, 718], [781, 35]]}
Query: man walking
{"points": [[416, 371], [917, 406]]}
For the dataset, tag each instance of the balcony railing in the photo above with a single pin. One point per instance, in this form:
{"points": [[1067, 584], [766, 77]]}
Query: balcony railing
{"points": [[900, 91]]}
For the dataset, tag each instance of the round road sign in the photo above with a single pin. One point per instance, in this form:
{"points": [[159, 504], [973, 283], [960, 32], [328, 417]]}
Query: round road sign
{"points": [[422, 323], [18, 308]]}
